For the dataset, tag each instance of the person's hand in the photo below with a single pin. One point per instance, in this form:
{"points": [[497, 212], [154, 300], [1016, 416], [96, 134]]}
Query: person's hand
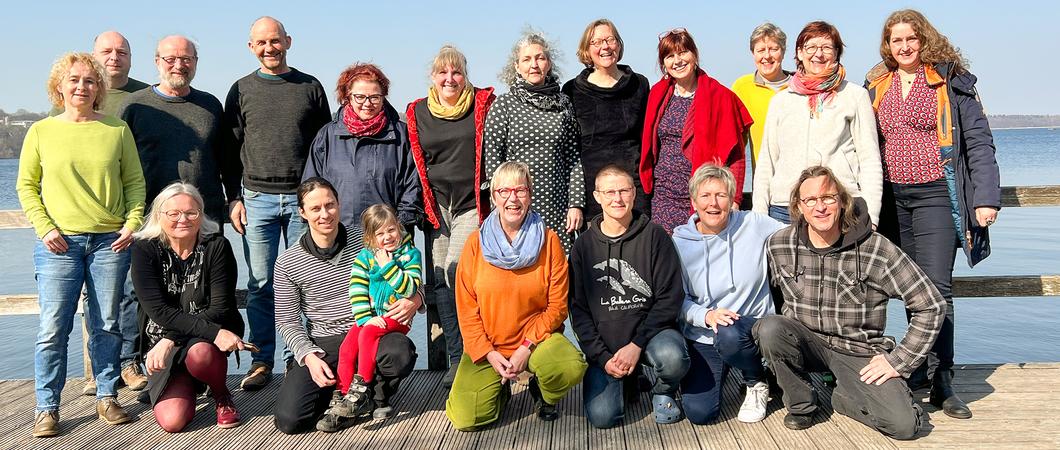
{"points": [[123, 241], [319, 370], [985, 215], [156, 358], [382, 256], [237, 213], [877, 371], [519, 360], [720, 316], [574, 219], [403, 310], [611, 367], [376, 321], [626, 358], [228, 341], [55, 242], [501, 365]]}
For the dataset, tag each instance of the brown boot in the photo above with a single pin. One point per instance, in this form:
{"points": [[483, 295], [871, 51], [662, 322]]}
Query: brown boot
{"points": [[89, 389], [257, 377], [47, 424], [111, 412], [133, 378]]}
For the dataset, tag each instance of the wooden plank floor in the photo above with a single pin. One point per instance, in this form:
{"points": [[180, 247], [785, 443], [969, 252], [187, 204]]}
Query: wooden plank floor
{"points": [[1015, 405]]}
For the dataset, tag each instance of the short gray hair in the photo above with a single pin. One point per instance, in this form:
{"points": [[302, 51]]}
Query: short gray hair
{"points": [[768, 30], [709, 172], [153, 228], [530, 36]]}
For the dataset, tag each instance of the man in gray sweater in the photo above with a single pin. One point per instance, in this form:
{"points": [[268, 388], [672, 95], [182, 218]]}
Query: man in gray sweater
{"points": [[271, 115]]}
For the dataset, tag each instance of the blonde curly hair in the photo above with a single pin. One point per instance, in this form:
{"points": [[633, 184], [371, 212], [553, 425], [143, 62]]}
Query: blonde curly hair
{"points": [[61, 68], [935, 48]]}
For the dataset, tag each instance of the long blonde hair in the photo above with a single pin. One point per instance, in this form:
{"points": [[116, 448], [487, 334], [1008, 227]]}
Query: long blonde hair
{"points": [[153, 228]]}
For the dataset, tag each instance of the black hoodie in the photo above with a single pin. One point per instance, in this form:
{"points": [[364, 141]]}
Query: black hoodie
{"points": [[624, 289]]}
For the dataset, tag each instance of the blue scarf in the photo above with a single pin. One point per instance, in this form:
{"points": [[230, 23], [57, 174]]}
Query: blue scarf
{"points": [[524, 249]]}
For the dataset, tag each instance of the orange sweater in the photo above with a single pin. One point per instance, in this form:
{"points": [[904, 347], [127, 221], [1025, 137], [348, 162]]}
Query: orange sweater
{"points": [[499, 308]]}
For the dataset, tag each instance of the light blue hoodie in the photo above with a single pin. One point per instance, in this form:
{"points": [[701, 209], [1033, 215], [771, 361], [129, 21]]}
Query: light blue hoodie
{"points": [[726, 270]]}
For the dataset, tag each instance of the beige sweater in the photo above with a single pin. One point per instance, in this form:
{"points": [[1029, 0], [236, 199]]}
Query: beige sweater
{"points": [[843, 139]]}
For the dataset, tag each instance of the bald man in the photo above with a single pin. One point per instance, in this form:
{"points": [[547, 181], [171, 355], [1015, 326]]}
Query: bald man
{"points": [[114, 53], [272, 116]]}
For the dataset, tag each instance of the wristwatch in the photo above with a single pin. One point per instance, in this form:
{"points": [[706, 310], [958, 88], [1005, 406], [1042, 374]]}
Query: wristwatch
{"points": [[530, 345]]}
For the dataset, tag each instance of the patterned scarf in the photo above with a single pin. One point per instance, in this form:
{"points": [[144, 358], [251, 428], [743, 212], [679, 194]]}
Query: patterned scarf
{"points": [[362, 128], [545, 96], [522, 251], [818, 89], [441, 111], [186, 283]]}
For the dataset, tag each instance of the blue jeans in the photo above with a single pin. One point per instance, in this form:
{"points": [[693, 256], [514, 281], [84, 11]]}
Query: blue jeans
{"points": [[128, 322], [603, 394], [733, 347], [780, 213], [88, 262], [270, 217]]}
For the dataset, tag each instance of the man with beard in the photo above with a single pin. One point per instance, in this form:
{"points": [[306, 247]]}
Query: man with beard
{"points": [[178, 129], [272, 115]]}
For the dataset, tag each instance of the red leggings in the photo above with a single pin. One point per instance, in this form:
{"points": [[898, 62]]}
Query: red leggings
{"points": [[176, 406], [360, 347]]}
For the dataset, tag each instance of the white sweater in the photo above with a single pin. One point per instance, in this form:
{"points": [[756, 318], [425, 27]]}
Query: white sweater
{"points": [[843, 139]]}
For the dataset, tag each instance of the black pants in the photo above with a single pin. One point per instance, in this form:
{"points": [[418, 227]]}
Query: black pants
{"points": [[301, 402], [794, 351], [927, 234]]}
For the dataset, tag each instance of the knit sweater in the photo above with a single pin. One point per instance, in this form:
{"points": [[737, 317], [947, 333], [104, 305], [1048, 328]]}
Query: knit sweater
{"points": [[317, 289], [180, 138], [843, 139], [272, 122], [755, 95], [80, 177], [374, 286], [724, 270], [499, 308]]}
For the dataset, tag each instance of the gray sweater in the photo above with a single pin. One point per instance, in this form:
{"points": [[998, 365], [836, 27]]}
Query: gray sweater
{"points": [[179, 138]]}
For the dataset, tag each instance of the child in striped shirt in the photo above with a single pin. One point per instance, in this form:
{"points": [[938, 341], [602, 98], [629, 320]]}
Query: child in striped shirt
{"points": [[387, 269]]}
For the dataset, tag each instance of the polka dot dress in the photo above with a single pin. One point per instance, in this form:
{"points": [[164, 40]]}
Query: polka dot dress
{"points": [[547, 141]]}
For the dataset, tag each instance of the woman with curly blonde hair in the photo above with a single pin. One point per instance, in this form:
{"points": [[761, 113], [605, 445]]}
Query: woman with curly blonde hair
{"points": [[938, 161]]}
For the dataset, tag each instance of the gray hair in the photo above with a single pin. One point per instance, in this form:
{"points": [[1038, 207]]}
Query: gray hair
{"points": [[530, 36], [153, 228], [768, 30], [193, 44], [709, 172]]}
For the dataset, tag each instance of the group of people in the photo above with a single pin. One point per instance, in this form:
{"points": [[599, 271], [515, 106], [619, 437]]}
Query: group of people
{"points": [[658, 269]]}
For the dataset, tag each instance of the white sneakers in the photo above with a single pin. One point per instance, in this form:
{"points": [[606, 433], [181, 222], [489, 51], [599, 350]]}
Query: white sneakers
{"points": [[754, 403]]}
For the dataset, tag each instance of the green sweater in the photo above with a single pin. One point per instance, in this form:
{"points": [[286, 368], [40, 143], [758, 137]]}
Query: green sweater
{"points": [[80, 177], [374, 286]]}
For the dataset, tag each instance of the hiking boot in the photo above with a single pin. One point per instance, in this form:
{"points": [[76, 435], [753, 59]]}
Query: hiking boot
{"points": [[545, 410], [383, 411], [257, 377], [358, 400], [330, 423], [89, 389], [133, 378], [111, 412], [943, 397], [754, 403], [227, 416], [450, 375], [798, 421], [47, 424]]}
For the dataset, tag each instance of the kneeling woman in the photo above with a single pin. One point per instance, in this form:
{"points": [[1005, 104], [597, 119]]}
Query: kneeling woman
{"points": [[723, 259], [511, 300], [184, 274]]}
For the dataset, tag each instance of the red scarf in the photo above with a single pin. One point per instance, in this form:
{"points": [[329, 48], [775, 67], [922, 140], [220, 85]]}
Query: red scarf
{"points": [[361, 128], [818, 89]]}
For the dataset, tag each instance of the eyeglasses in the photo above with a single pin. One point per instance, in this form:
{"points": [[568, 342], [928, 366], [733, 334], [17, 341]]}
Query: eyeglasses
{"points": [[673, 31], [610, 40], [827, 200], [174, 215], [374, 99], [505, 193], [812, 49], [616, 193], [187, 60]]}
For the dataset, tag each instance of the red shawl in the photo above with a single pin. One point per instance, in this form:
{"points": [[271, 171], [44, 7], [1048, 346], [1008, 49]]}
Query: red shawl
{"points": [[715, 130]]}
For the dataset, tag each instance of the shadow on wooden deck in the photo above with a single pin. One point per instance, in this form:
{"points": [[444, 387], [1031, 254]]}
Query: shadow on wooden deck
{"points": [[1015, 405]]}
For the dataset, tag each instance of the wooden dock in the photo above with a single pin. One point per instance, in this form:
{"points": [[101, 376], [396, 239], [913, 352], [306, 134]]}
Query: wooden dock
{"points": [[1015, 406]]}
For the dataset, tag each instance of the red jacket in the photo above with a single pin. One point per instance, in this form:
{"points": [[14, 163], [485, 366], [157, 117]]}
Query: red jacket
{"points": [[715, 131], [483, 100]]}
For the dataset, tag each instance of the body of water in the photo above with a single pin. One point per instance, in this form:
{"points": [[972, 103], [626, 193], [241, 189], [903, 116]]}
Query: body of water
{"points": [[989, 330]]}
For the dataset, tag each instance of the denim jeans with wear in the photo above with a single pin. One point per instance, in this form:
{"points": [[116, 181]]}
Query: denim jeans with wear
{"points": [[88, 262], [733, 347], [270, 217], [780, 213], [603, 397]]}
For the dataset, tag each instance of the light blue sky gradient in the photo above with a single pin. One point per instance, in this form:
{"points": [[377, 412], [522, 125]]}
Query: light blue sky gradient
{"points": [[1010, 43]]}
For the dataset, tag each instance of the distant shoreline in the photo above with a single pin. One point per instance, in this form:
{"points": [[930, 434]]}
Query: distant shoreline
{"points": [[1025, 128]]}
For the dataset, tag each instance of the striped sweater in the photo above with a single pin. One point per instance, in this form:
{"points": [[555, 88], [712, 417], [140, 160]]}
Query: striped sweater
{"points": [[316, 288], [374, 286]]}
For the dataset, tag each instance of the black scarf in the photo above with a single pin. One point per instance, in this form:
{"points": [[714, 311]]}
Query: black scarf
{"points": [[545, 96], [325, 254]]}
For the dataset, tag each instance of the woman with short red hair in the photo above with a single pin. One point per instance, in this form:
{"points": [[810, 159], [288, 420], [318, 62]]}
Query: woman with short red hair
{"points": [[691, 120], [364, 151]]}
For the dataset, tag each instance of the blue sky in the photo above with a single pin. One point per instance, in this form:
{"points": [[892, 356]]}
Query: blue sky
{"points": [[1009, 43]]}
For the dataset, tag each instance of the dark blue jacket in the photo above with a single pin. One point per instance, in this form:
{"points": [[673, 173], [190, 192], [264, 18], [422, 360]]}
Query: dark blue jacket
{"points": [[368, 170]]}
